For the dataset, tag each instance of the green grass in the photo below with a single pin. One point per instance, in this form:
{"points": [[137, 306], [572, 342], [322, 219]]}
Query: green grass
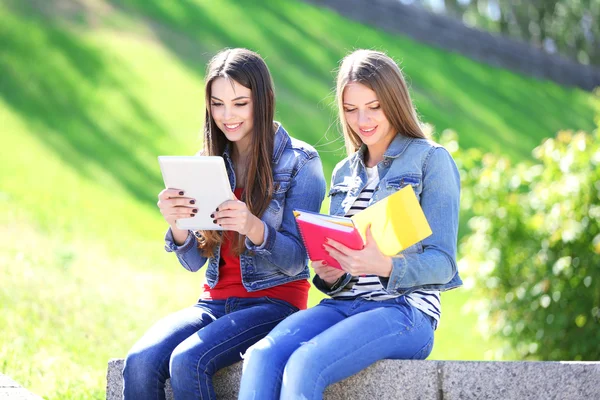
{"points": [[90, 95]]}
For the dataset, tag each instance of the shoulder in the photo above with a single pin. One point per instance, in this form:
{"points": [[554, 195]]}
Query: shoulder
{"points": [[301, 149], [342, 169], [427, 151], [291, 154], [288, 148]]}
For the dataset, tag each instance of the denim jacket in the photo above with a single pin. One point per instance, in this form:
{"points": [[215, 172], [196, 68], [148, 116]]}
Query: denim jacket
{"points": [[298, 184], [431, 171]]}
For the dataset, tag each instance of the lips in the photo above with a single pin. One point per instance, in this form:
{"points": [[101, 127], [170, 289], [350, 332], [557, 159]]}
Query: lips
{"points": [[368, 131], [232, 127]]}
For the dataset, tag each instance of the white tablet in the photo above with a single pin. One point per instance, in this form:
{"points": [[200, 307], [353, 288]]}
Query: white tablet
{"points": [[203, 178]]}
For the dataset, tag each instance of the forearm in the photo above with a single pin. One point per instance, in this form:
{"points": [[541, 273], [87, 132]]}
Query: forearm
{"points": [[432, 267], [187, 252], [179, 235], [281, 249], [283, 246]]}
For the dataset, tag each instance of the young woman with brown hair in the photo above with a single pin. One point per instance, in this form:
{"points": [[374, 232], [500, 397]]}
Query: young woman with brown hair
{"points": [[257, 272]]}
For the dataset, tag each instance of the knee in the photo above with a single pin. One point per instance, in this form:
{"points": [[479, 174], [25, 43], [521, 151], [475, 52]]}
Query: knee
{"points": [[182, 364], [140, 364], [263, 352], [303, 361]]}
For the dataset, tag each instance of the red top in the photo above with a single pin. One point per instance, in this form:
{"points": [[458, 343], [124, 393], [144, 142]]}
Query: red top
{"points": [[230, 279]]}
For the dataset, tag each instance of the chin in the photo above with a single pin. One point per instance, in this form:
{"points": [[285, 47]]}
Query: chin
{"points": [[235, 137], [369, 140]]}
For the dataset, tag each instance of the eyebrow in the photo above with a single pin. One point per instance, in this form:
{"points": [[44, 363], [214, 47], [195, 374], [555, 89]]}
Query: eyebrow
{"points": [[372, 101], [237, 98]]}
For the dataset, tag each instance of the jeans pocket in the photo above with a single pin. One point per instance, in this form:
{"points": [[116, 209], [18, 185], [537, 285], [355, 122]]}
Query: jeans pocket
{"points": [[292, 309], [424, 352]]}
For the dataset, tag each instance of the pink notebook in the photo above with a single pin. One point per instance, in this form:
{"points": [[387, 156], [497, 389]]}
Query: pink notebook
{"points": [[315, 228]]}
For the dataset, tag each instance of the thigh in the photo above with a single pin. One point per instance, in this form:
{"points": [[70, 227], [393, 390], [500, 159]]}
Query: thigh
{"points": [[265, 361], [303, 326], [361, 339], [158, 342], [222, 342]]}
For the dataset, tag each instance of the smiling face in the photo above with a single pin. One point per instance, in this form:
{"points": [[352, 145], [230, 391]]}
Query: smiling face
{"points": [[231, 108], [365, 117]]}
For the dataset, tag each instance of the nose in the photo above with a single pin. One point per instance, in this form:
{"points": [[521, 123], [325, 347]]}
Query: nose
{"points": [[227, 112], [363, 118]]}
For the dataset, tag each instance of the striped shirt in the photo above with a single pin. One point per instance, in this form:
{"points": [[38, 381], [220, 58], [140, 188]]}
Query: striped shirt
{"points": [[369, 286]]}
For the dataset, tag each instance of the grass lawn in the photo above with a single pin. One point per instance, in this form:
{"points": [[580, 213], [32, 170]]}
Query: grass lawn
{"points": [[91, 92]]}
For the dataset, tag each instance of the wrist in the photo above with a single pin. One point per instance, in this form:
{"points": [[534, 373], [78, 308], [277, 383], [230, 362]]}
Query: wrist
{"points": [[257, 231], [388, 264], [335, 283]]}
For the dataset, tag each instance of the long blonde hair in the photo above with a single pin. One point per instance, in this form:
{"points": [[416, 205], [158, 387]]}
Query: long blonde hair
{"points": [[249, 70], [381, 74]]}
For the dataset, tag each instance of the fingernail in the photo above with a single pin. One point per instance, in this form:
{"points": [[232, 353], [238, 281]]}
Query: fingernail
{"points": [[324, 262], [214, 221], [192, 201], [212, 215], [217, 209], [181, 193], [195, 210], [192, 215]]}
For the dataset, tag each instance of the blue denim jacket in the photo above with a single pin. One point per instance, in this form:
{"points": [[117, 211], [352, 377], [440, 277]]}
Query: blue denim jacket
{"points": [[430, 169], [298, 184]]}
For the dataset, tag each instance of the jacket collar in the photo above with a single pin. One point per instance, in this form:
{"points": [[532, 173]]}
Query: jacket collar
{"points": [[394, 150]]}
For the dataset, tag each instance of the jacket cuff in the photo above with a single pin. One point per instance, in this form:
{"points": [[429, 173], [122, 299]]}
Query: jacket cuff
{"points": [[171, 247], [337, 286], [267, 244], [391, 284]]}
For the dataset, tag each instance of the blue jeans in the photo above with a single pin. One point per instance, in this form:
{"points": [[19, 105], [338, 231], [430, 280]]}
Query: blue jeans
{"points": [[327, 343], [189, 346]]}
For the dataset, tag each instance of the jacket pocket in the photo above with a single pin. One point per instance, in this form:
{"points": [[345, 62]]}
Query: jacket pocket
{"points": [[399, 182], [280, 188], [337, 193]]}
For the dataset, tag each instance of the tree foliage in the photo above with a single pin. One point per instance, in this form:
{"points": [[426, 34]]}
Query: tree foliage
{"points": [[532, 253], [569, 27]]}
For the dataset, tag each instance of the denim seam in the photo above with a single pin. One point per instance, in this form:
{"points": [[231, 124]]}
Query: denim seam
{"points": [[430, 341], [222, 343], [168, 359]]}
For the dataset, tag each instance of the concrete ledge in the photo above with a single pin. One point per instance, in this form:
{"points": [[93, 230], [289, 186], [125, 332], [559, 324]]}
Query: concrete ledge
{"points": [[442, 380], [10, 389]]}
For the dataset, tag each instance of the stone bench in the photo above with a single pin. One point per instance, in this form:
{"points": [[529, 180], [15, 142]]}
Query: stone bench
{"points": [[10, 389], [429, 379]]}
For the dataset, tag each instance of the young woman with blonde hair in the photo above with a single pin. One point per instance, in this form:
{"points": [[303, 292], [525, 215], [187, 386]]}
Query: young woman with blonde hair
{"points": [[380, 307], [257, 271]]}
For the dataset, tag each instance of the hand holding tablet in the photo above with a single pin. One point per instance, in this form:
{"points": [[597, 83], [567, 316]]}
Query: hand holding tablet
{"points": [[205, 185]]}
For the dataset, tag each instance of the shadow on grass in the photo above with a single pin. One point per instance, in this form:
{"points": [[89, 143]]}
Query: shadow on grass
{"points": [[51, 78], [491, 109]]}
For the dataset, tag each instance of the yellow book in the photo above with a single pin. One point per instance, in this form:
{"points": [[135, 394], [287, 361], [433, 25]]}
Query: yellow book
{"points": [[397, 222]]}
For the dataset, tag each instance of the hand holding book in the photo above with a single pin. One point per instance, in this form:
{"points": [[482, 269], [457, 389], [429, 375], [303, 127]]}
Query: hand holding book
{"points": [[396, 222], [330, 275], [367, 261]]}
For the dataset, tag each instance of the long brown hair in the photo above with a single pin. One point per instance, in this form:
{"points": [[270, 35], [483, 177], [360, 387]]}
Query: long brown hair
{"points": [[248, 69], [381, 74]]}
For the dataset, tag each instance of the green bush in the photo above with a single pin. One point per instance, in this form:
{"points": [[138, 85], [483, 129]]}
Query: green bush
{"points": [[532, 250]]}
